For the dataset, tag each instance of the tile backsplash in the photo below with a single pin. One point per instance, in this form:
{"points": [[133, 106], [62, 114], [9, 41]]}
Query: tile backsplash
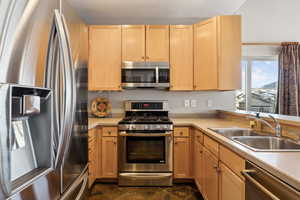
{"points": [[204, 101]]}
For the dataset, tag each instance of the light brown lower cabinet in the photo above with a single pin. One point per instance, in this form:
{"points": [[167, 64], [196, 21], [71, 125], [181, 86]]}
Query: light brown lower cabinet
{"points": [[231, 186], [92, 156], [182, 157], [216, 176], [109, 158], [198, 164], [211, 176]]}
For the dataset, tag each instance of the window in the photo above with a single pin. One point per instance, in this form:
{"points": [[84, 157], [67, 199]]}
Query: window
{"points": [[259, 84]]}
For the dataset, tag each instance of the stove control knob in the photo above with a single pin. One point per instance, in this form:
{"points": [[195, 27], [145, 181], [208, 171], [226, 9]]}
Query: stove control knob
{"points": [[146, 127], [133, 127]]}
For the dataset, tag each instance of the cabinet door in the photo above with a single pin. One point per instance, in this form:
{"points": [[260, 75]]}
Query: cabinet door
{"points": [[231, 186], [181, 57], [182, 157], [92, 156], [105, 58], [98, 152], [211, 186], [109, 157], [133, 42], [198, 165], [229, 37], [205, 55], [157, 43]]}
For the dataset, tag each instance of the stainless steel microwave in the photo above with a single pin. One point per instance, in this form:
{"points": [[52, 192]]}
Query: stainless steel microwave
{"points": [[145, 74]]}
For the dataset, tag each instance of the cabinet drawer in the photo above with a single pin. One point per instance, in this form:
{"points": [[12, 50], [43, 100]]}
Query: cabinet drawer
{"points": [[211, 145], [109, 131], [232, 160], [198, 136], [181, 132]]}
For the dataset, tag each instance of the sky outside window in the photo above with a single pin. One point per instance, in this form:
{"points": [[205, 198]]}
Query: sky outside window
{"points": [[264, 73]]}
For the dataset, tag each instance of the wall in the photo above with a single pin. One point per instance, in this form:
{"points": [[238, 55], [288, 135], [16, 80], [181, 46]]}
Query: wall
{"points": [[270, 20], [220, 100]]}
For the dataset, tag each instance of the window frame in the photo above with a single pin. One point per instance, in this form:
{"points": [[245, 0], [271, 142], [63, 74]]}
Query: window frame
{"points": [[248, 75]]}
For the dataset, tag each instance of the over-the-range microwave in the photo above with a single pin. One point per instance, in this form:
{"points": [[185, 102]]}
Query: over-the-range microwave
{"points": [[145, 74]]}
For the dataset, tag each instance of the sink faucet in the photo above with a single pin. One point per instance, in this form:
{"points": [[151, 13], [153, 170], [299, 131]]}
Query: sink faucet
{"points": [[277, 127]]}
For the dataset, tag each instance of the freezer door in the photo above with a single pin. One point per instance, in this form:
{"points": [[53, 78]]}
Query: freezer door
{"points": [[44, 188]]}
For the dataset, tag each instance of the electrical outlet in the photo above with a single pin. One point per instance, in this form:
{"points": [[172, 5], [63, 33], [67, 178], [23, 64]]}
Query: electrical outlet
{"points": [[193, 103], [209, 103], [186, 103]]}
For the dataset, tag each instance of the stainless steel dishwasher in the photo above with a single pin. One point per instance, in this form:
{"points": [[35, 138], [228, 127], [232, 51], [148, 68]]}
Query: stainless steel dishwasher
{"points": [[261, 185]]}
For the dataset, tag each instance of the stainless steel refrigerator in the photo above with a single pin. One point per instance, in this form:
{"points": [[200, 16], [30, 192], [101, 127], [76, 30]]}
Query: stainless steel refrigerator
{"points": [[43, 101]]}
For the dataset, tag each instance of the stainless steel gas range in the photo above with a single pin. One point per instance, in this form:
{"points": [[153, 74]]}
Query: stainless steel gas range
{"points": [[146, 144]]}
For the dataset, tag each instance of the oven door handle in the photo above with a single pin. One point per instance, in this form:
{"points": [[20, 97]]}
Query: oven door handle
{"points": [[144, 134], [246, 174]]}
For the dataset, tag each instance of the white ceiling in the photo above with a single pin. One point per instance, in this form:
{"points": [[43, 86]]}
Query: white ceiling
{"points": [[152, 11]]}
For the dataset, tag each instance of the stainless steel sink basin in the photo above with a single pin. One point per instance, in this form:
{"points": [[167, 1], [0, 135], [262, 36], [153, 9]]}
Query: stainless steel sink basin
{"points": [[232, 132], [257, 141], [267, 143]]}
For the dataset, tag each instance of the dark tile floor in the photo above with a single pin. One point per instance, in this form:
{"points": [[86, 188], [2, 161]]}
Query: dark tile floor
{"points": [[109, 191]]}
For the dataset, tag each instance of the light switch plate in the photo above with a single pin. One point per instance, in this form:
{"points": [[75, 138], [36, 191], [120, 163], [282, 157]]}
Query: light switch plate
{"points": [[209, 103], [186, 103], [193, 103]]}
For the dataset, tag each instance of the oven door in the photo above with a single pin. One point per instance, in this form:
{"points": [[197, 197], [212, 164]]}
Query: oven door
{"points": [[145, 152], [139, 77]]}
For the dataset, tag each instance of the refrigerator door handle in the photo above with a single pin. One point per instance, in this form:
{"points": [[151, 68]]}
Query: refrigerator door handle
{"points": [[61, 79], [72, 82], [5, 132]]}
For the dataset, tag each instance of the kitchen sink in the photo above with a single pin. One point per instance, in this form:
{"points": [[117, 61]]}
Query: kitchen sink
{"points": [[257, 141], [267, 143], [233, 132]]}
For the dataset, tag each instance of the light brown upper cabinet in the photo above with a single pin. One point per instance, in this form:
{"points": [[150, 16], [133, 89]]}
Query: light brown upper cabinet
{"points": [[217, 53], [145, 42], [105, 58], [181, 57], [133, 42], [157, 42]]}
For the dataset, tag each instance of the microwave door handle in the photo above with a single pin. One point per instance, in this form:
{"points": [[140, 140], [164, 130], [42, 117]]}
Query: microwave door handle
{"points": [[5, 132], [157, 74]]}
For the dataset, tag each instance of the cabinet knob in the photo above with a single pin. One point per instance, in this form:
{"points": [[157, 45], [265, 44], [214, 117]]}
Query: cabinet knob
{"points": [[201, 151], [181, 133], [143, 57], [109, 132], [176, 142], [115, 142], [218, 170]]}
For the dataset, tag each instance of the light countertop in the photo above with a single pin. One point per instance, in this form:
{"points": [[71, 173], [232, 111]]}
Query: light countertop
{"points": [[284, 165]]}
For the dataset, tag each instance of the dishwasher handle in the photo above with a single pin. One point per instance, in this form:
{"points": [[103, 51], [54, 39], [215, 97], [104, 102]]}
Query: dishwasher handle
{"points": [[246, 174]]}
